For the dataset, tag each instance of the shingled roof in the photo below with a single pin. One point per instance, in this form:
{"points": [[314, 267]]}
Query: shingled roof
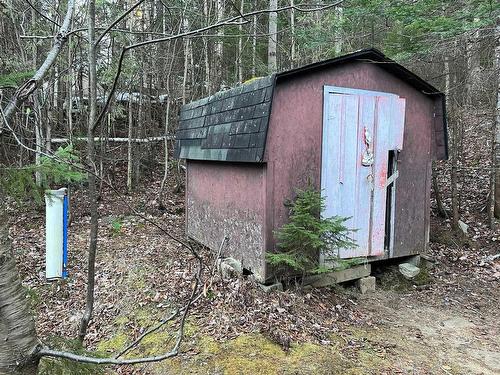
{"points": [[230, 125]]}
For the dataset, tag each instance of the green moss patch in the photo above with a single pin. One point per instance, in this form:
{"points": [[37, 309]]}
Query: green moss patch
{"points": [[391, 279], [55, 366], [113, 344]]}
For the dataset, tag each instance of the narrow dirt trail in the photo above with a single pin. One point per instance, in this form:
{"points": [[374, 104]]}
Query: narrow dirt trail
{"points": [[402, 333], [434, 339]]}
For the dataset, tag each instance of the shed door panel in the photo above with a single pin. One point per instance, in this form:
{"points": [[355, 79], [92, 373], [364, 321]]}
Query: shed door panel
{"points": [[360, 127]]}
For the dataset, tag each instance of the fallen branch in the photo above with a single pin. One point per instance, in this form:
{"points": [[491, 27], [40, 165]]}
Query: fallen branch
{"points": [[176, 312], [118, 140], [148, 332], [46, 352]]}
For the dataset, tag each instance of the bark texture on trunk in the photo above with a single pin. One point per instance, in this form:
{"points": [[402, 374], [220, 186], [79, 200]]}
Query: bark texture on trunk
{"points": [[496, 128], [254, 44], [292, 35], [441, 211], [272, 63], [18, 341], [94, 225], [217, 75], [239, 57]]}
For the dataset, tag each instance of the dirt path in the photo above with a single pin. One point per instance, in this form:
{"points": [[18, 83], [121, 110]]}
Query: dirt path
{"points": [[401, 335], [429, 339]]}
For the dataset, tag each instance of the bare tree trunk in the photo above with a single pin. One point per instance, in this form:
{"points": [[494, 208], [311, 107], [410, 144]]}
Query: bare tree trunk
{"points": [[454, 177], [48, 133], [38, 138], [33, 26], [130, 146], [219, 48], [437, 194], [171, 51], [208, 83], [140, 133], [104, 137], [70, 93], [38, 148], [187, 46], [454, 151], [339, 14], [56, 102], [239, 63], [89, 303], [254, 45], [272, 64], [495, 176], [15, 24], [441, 211], [165, 174], [292, 35], [19, 343]]}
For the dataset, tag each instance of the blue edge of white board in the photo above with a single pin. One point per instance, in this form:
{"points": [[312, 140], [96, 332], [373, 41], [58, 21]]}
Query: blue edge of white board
{"points": [[65, 237]]}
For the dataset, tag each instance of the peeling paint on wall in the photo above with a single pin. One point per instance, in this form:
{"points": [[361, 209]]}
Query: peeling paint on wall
{"points": [[243, 229], [228, 201]]}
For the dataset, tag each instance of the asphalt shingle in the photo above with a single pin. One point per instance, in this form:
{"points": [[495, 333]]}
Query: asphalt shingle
{"points": [[230, 125]]}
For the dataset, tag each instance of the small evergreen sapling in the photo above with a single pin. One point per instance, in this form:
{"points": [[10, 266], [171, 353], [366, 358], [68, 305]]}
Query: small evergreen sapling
{"points": [[65, 168], [307, 234]]}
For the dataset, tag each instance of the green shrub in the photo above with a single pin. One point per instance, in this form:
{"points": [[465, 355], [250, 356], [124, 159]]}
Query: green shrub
{"points": [[64, 168], [15, 79], [307, 234], [116, 226]]}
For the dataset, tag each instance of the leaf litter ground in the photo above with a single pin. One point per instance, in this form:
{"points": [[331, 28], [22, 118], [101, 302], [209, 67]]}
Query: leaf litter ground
{"points": [[446, 323]]}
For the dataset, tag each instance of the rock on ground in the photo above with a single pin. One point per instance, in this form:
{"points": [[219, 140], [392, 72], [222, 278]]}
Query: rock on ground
{"points": [[408, 270]]}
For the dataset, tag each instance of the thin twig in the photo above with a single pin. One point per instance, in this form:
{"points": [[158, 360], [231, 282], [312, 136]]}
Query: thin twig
{"points": [[121, 17], [148, 332], [226, 22], [41, 14]]}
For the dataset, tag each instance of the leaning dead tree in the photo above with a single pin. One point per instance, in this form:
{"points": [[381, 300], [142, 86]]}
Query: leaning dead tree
{"points": [[29, 87]]}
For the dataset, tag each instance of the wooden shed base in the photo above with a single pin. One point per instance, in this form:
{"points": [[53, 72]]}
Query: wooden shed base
{"points": [[336, 277]]}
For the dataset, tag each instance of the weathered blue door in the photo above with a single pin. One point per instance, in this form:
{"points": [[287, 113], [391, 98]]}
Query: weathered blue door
{"points": [[361, 129]]}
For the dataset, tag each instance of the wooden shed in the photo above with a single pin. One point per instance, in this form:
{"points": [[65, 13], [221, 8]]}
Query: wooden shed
{"points": [[360, 127]]}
